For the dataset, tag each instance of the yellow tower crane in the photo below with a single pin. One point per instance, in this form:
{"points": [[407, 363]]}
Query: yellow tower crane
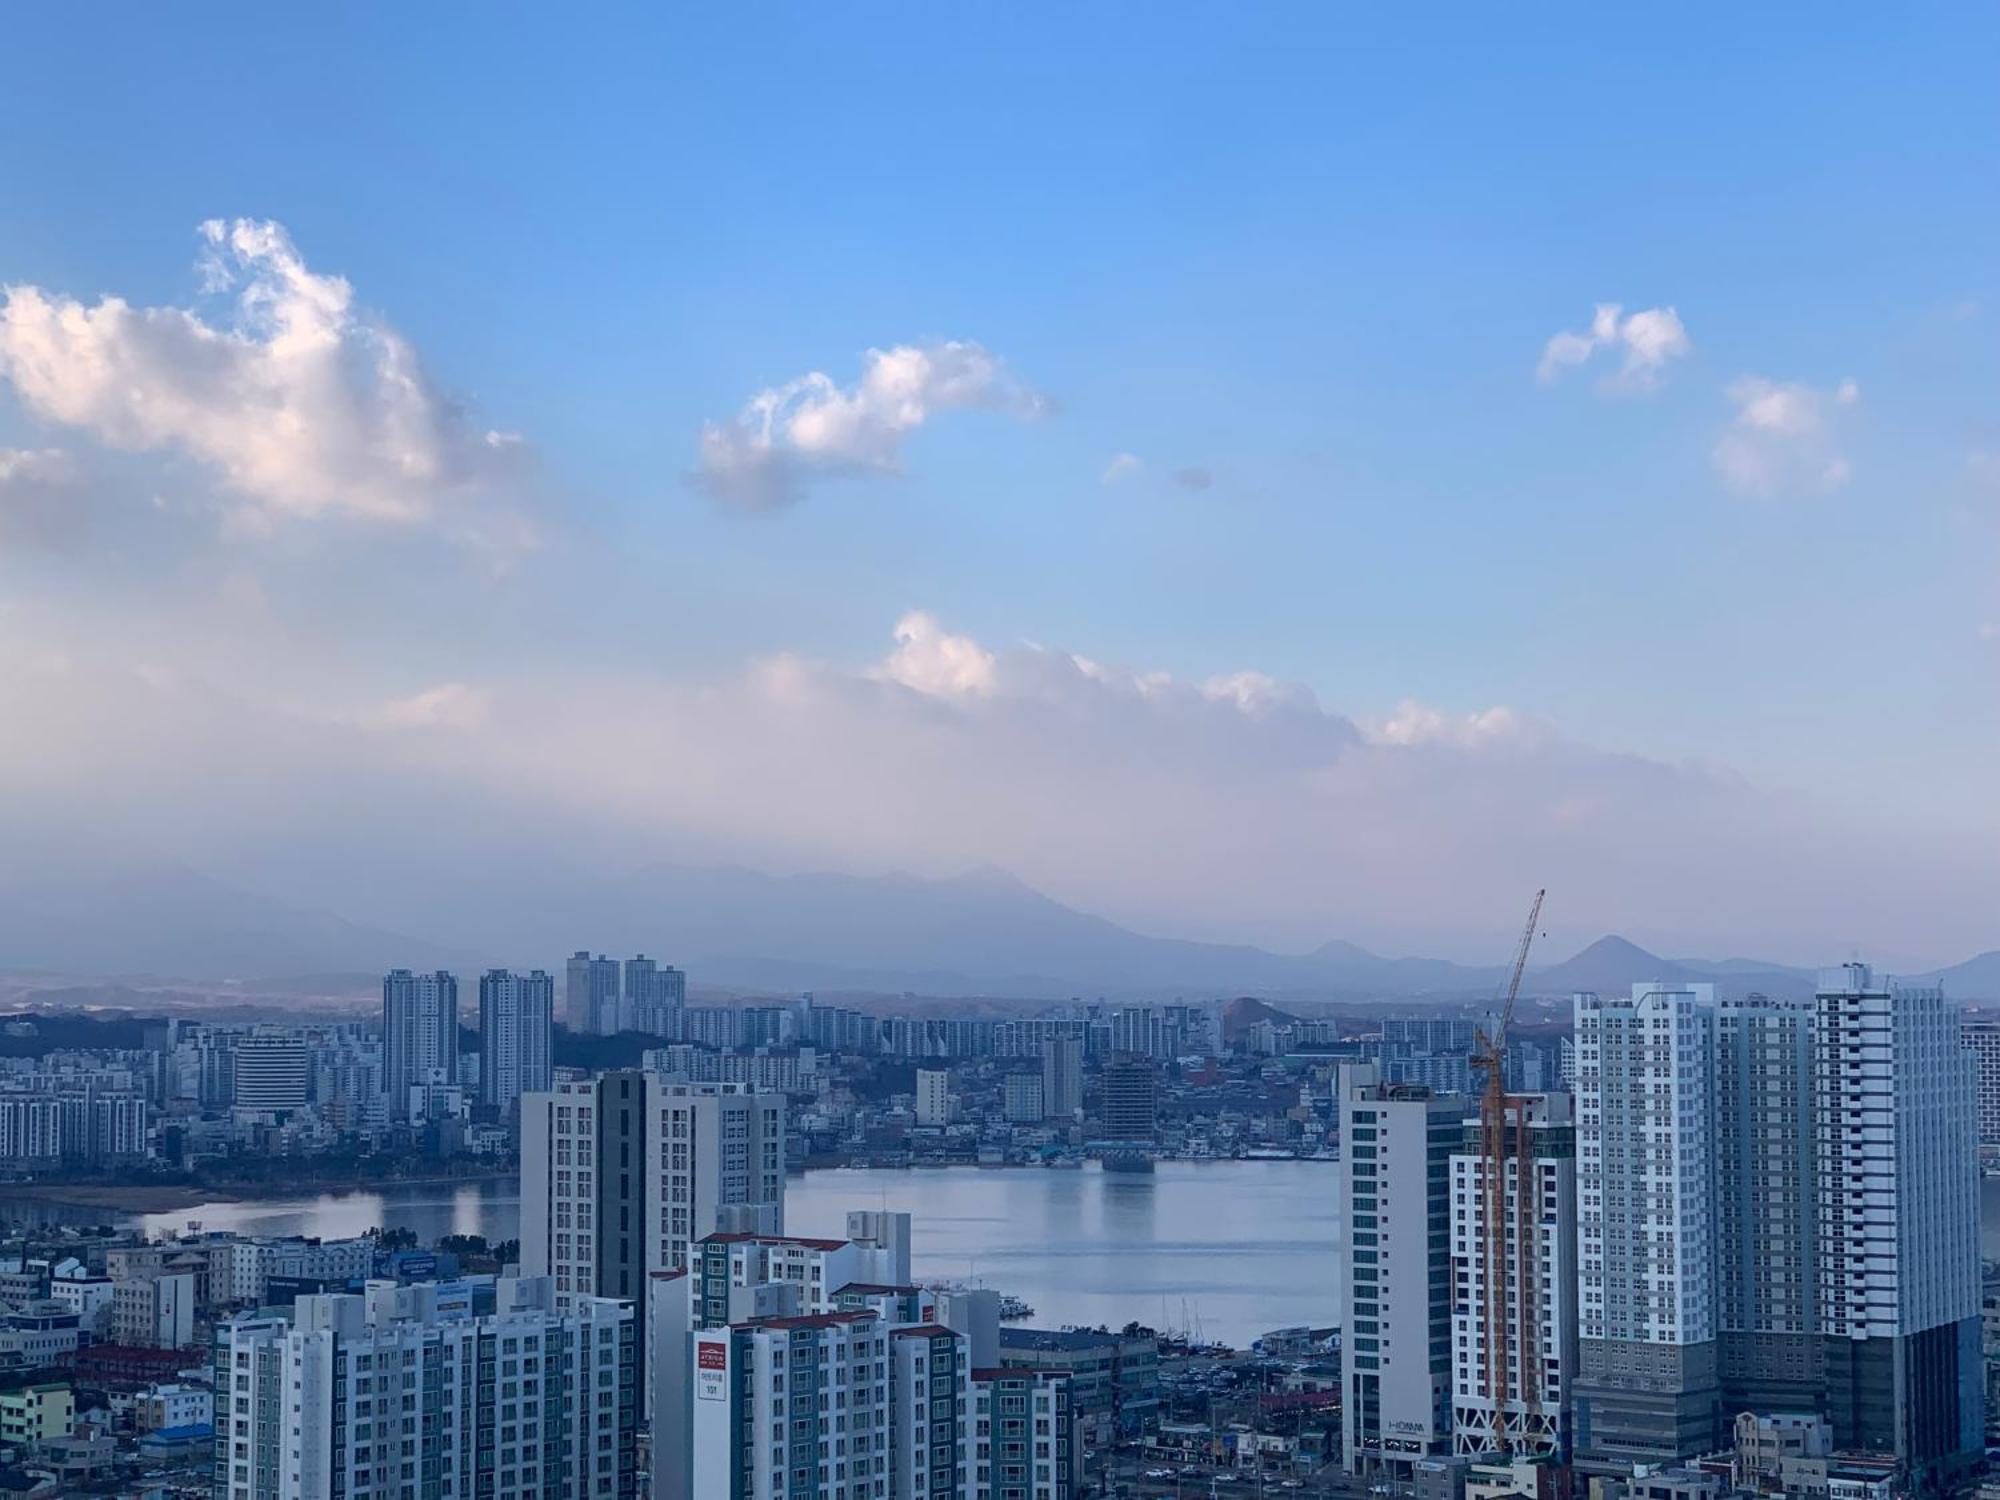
{"points": [[1504, 1116]]}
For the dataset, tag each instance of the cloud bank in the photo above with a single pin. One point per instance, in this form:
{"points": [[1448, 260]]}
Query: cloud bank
{"points": [[788, 436], [1236, 804], [304, 406]]}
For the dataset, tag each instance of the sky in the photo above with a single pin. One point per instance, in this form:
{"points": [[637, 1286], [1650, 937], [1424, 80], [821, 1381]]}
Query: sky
{"points": [[1266, 473]]}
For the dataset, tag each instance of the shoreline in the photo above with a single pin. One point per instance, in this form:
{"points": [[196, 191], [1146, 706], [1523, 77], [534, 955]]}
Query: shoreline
{"points": [[139, 1198]]}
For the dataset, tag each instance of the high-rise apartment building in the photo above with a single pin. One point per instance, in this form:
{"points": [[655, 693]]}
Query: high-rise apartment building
{"points": [[1778, 1211], [655, 997], [621, 1173], [1129, 1104], [1766, 1310], [419, 1034], [1895, 1122], [1648, 1386], [392, 1393], [1515, 1270], [1023, 1435], [1982, 1038], [1394, 1188], [516, 1035], [591, 1001], [933, 1096], [1062, 1076], [1021, 1098]]}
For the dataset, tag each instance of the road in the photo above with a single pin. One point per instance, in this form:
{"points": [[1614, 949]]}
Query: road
{"points": [[1127, 1479]]}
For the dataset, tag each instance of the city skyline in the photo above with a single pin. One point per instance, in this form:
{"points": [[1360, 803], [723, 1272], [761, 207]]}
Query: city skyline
{"points": [[1288, 485]]}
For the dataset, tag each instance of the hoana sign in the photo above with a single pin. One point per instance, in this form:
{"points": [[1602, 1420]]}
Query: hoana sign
{"points": [[711, 1369]]}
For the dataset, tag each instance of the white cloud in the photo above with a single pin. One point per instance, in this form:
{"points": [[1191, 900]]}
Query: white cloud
{"points": [[1122, 466], [449, 705], [303, 404], [808, 428], [1649, 340], [1415, 723], [1784, 437], [929, 659], [41, 497]]}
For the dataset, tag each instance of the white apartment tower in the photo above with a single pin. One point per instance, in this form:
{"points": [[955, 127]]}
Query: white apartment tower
{"points": [[1062, 1076], [1895, 1118], [590, 997], [933, 1096], [1982, 1038], [391, 1394], [516, 1035], [419, 1033], [1515, 1394], [621, 1173], [1394, 1185], [1648, 1379], [1778, 1210]]}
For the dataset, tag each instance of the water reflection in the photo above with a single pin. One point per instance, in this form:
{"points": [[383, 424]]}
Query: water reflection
{"points": [[1229, 1249]]}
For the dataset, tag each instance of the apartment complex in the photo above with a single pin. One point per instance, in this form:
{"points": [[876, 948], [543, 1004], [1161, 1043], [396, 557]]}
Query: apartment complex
{"points": [[785, 1368], [621, 1173], [1777, 1210], [393, 1393]]}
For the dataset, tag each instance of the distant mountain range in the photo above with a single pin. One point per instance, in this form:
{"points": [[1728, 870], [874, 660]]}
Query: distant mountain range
{"points": [[984, 933]]}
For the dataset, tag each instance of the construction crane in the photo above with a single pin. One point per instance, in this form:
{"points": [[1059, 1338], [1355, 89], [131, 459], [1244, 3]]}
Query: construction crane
{"points": [[1502, 1115]]}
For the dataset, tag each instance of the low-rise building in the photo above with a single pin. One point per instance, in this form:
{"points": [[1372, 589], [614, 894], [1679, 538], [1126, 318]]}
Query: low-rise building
{"points": [[1114, 1377], [173, 1405], [37, 1413]]}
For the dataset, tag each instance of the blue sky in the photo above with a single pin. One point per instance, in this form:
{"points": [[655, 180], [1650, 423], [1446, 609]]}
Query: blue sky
{"points": [[1313, 253]]}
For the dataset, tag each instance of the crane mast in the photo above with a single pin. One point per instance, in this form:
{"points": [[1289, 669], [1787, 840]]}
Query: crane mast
{"points": [[1502, 1115]]}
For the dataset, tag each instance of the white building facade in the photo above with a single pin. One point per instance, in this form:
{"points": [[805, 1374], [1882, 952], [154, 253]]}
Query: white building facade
{"points": [[1648, 1373], [386, 1395], [1394, 1186]]}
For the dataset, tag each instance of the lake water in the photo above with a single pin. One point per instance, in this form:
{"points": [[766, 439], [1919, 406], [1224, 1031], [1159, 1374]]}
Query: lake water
{"points": [[1228, 1249]]}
